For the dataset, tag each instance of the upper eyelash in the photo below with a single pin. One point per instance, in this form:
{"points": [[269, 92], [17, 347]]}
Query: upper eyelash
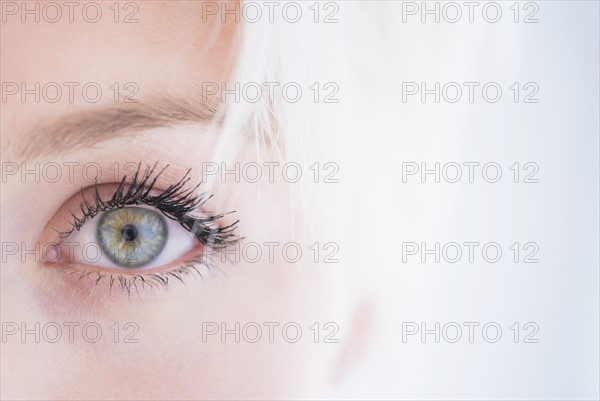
{"points": [[175, 202]]}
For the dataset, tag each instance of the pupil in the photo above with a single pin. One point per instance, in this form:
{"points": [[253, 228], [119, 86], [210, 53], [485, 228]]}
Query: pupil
{"points": [[129, 232]]}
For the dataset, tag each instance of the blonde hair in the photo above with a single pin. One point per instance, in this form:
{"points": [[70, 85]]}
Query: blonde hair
{"points": [[350, 55]]}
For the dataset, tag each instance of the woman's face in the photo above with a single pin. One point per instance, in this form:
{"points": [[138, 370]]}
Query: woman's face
{"points": [[85, 100]]}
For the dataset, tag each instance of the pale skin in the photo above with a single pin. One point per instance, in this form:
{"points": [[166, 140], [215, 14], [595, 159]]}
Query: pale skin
{"points": [[165, 54]]}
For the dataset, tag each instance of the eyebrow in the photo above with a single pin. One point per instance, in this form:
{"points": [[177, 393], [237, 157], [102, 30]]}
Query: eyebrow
{"points": [[84, 129]]}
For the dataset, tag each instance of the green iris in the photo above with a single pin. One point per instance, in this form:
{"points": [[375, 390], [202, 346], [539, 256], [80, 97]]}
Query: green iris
{"points": [[132, 236]]}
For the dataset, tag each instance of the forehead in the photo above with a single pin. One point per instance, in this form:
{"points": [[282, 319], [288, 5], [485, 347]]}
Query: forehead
{"points": [[111, 38], [91, 46]]}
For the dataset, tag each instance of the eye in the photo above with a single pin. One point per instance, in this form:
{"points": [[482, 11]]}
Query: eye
{"points": [[131, 238], [133, 230]]}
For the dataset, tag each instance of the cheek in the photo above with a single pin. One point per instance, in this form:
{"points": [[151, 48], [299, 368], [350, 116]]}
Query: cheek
{"points": [[175, 359]]}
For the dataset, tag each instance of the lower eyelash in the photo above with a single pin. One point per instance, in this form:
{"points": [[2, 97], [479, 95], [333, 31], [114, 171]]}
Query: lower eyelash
{"points": [[175, 202], [128, 283]]}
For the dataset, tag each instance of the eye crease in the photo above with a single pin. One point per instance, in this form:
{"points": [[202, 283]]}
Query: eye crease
{"points": [[144, 235]]}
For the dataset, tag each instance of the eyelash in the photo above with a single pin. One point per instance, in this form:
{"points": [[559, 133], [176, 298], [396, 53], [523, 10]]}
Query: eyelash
{"points": [[176, 203], [159, 280]]}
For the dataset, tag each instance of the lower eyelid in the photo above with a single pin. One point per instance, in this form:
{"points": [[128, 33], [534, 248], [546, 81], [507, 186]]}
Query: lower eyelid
{"points": [[92, 279]]}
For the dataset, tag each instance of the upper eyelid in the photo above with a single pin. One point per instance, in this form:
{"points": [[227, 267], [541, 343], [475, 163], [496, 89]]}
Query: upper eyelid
{"points": [[177, 202]]}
